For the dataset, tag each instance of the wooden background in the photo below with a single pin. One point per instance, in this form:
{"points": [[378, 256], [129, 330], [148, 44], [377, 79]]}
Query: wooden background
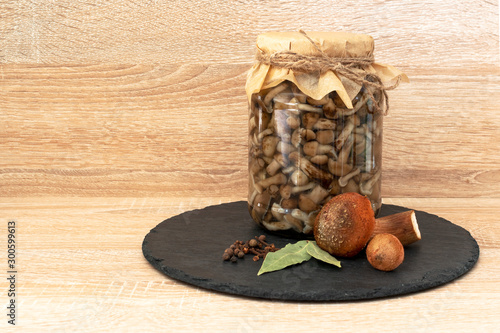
{"points": [[115, 115]]}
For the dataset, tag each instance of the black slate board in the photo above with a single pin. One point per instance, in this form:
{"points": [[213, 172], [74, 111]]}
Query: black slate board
{"points": [[189, 247]]}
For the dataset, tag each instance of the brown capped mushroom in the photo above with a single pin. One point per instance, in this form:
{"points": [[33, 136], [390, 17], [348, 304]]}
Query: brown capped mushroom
{"points": [[269, 145], [325, 124], [299, 178], [306, 204], [319, 159], [301, 135], [277, 163], [289, 204], [293, 122], [264, 133], [325, 137], [285, 191], [261, 204], [309, 119], [313, 148], [285, 147], [329, 109]]}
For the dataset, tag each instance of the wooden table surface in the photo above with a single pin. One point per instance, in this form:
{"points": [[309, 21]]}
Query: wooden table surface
{"points": [[115, 115]]}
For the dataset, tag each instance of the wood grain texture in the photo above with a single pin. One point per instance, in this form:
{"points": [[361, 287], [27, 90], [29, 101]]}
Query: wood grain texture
{"points": [[126, 130], [434, 32], [81, 270]]}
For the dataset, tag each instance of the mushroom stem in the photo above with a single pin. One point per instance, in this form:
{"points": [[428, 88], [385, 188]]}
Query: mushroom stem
{"points": [[295, 223], [346, 131], [256, 165], [299, 95], [277, 179], [273, 92], [288, 169], [402, 225], [277, 211], [309, 169], [347, 112], [366, 188], [252, 197], [317, 194], [308, 219], [298, 189], [337, 168], [276, 164], [309, 108], [345, 151], [344, 179], [266, 132]]}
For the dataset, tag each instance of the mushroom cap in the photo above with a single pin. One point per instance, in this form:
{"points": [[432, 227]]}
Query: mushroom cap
{"points": [[344, 224], [385, 252]]}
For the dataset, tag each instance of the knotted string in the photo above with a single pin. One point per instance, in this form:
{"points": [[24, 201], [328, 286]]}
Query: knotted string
{"points": [[344, 66]]}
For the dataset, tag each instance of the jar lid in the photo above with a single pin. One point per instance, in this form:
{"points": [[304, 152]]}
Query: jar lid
{"points": [[334, 44], [339, 46]]}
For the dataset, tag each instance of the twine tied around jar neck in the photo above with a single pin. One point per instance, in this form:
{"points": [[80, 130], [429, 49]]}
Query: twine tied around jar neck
{"points": [[343, 66]]}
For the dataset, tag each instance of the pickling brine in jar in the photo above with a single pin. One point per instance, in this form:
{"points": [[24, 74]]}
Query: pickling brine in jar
{"points": [[316, 113]]}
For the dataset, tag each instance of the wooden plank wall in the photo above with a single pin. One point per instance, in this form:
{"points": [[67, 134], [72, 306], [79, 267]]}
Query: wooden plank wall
{"points": [[146, 98]]}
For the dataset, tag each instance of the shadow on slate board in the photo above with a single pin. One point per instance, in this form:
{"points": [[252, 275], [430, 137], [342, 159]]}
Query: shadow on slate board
{"points": [[188, 247]]}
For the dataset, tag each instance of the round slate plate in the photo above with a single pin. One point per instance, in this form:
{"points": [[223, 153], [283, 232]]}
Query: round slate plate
{"points": [[189, 247]]}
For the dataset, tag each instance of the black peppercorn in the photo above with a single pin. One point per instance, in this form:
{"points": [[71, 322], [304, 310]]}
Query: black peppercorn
{"points": [[234, 259], [226, 256]]}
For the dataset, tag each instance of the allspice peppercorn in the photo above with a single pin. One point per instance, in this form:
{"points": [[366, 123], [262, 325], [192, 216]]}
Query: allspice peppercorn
{"points": [[256, 246]]}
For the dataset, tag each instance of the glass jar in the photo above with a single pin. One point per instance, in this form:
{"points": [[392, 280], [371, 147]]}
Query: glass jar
{"points": [[305, 149]]}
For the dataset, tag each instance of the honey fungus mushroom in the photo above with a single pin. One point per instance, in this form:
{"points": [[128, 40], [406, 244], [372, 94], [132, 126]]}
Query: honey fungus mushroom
{"points": [[344, 225]]}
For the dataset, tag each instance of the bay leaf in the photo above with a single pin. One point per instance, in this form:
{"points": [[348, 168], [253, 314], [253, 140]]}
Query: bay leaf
{"points": [[291, 254], [315, 251]]}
